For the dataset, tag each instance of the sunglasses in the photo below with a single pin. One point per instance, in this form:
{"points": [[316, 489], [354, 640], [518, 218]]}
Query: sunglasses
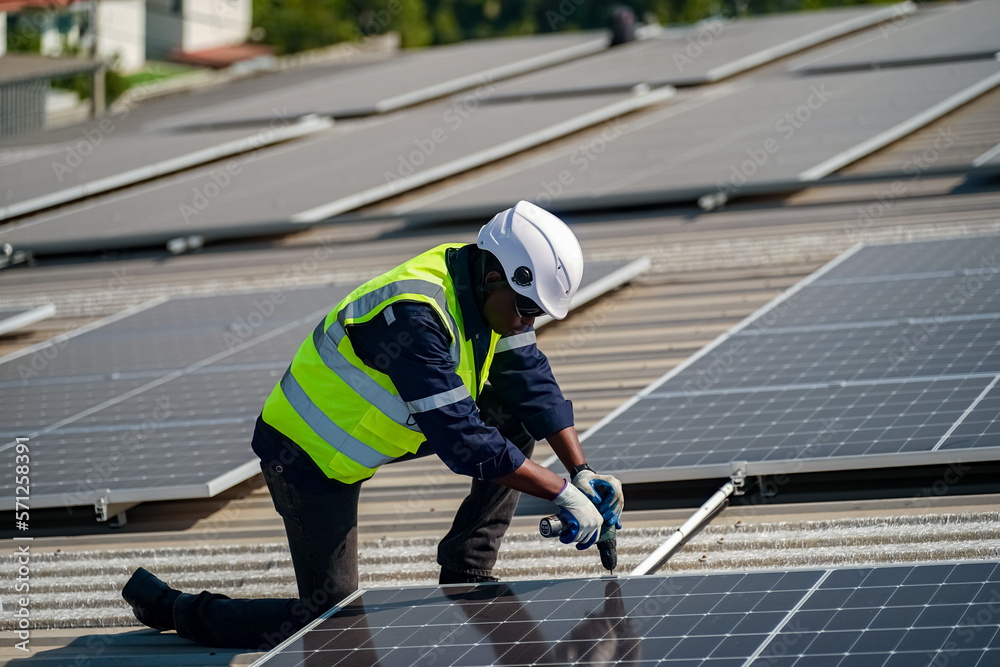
{"points": [[525, 307]]}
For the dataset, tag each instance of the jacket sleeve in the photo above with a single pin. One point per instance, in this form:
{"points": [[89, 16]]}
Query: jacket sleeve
{"points": [[411, 346], [523, 377]]}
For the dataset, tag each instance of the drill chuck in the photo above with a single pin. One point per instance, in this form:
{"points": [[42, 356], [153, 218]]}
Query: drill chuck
{"points": [[607, 544], [551, 526]]}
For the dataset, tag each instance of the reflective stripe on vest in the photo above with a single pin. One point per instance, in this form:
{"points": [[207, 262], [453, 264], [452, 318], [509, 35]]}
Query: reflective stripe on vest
{"points": [[326, 429], [348, 416], [390, 405], [439, 400], [513, 342], [363, 306]]}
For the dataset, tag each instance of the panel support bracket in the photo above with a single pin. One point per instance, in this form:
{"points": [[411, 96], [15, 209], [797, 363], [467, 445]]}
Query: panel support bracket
{"points": [[112, 513], [738, 476], [101, 504]]}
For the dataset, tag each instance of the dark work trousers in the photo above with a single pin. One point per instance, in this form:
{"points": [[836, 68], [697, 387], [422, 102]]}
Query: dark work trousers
{"points": [[321, 522]]}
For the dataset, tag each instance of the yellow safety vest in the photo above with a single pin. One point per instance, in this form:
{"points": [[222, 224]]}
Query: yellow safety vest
{"points": [[349, 417]]}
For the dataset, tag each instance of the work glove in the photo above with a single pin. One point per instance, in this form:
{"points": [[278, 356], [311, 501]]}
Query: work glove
{"points": [[605, 491], [581, 515]]}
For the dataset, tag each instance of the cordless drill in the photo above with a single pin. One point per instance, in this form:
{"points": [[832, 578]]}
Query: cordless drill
{"points": [[607, 544]]}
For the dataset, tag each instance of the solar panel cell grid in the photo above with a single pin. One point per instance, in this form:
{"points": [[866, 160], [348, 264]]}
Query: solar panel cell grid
{"points": [[800, 618], [920, 257], [788, 424], [760, 358], [852, 368], [980, 427], [890, 299]]}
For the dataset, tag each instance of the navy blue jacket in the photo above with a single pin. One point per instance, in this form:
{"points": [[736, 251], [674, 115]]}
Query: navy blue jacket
{"points": [[411, 347]]}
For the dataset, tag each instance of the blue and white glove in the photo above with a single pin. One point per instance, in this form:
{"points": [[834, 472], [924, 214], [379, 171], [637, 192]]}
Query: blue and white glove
{"points": [[605, 491], [581, 514]]}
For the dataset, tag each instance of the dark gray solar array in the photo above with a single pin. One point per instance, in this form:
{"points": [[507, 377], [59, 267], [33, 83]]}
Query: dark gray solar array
{"points": [[954, 31], [156, 405], [99, 160], [160, 403], [857, 367], [888, 616], [410, 78], [705, 52], [337, 170], [734, 136]]}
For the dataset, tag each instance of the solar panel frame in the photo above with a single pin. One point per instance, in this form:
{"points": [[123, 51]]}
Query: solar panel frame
{"points": [[754, 618]]}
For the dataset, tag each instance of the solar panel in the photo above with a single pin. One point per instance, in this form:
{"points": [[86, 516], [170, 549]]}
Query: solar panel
{"points": [[783, 129], [886, 616], [842, 372], [880, 298], [800, 428], [160, 403], [964, 255], [98, 160], [411, 77], [884, 351], [956, 31], [708, 51], [341, 169]]}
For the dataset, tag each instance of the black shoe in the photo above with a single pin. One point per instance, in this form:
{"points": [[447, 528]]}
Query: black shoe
{"points": [[453, 577], [152, 600]]}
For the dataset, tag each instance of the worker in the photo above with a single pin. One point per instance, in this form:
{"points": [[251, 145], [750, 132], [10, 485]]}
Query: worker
{"points": [[397, 370]]}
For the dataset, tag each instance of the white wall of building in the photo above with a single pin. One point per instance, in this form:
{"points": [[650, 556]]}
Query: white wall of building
{"points": [[212, 23], [3, 33], [121, 32]]}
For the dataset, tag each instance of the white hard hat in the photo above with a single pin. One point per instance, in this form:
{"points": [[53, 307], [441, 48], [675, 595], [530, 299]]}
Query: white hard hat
{"points": [[540, 255]]}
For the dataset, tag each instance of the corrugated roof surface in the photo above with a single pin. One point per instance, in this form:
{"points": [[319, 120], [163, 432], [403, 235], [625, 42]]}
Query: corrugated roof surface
{"points": [[709, 270]]}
